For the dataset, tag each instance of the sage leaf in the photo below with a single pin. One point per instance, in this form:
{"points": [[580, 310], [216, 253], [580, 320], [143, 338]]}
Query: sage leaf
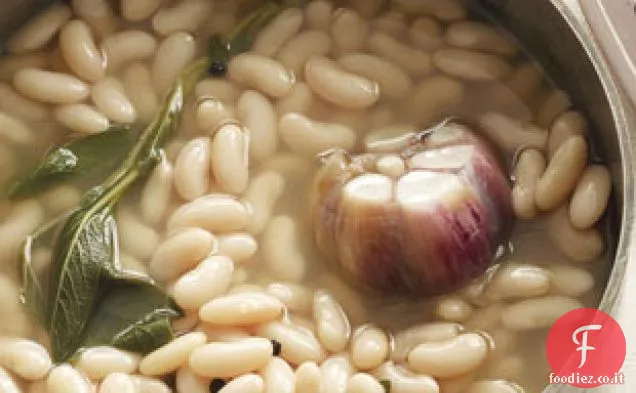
{"points": [[88, 157]]}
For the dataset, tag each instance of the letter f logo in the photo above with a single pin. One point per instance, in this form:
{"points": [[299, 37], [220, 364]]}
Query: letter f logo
{"points": [[583, 344]]}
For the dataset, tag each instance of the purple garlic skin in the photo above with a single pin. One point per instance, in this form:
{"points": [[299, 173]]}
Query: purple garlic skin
{"points": [[420, 217]]}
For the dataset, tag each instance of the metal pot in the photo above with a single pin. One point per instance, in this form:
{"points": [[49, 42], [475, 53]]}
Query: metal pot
{"points": [[558, 40]]}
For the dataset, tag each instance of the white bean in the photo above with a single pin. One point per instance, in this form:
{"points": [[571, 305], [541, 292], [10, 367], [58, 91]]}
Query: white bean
{"points": [[7, 383], [118, 383], [220, 89], [80, 52], [481, 37], [577, 245], [284, 263], [156, 194], [98, 362], [518, 281], [110, 98], [262, 194], [426, 33], [139, 89], [300, 100], [66, 379], [510, 135], [261, 73], [40, 30], [407, 339], [215, 213], [11, 64], [23, 218], [238, 246], [98, 14], [414, 61], [533, 314], [184, 16], [82, 118], [392, 23], [171, 356], [435, 97], [332, 326], [392, 81], [17, 105], [562, 174], [338, 86], [308, 378], [279, 377], [297, 345], [349, 31], [295, 53], [530, 166], [571, 281], [590, 197], [369, 347], [50, 87], [278, 32], [241, 309], [493, 387], [229, 158], [471, 66], [485, 318], [173, 53], [15, 131], [296, 298], [403, 381], [226, 360], [138, 10], [308, 137], [181, 253], [12, 308], [444, 10], [192, 169], [336, 372], [453, 309], [555, 103], [212, 113], [211, 278], [318, 14], [150, 385], [453, 357], [61, 199], [128, 46], [566, 125], [364, 383], [258, 115], [248, 383], [189, 382], [27, 359]]}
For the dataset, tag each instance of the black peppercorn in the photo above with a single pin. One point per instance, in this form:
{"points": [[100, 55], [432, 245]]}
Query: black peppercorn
{"points": [[277, 347], [216, 385], [218, 68]]}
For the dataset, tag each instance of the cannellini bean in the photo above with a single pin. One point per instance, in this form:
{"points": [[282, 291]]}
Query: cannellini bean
{"points": [[15, 131], [212, 113], [485, 318], [444, 10], [226, 360], [519, 281], [407, 339], [7, 383], [61, 199], [392, 81], [435, 97], [555, 103], [318, 14], [171, 356], [80, 52], [414, 61], [184, 16], [24, 358], [11, 308], [118, 383], [215, 213], [336, 372], [173, 53], [338, 86], [150, 385], [138, 10], [481, 37], [50, 87], [297, 345], [9, 65], [577, 245], [510, 135], [403, 381], [241, 309], [23, 218], [369, 347], [332, 325], [261, 73], [98, 362], [188, 382], [295, 297], [248, 383], [590, 197], [279, 377], [453, 309], [40, 30], [308, 378], [426, 33], [258, 115], [156, 194], [392, 23], [364, 383], [530, 166], [220, 89], [139, 89], [98, 14], [308, 137], [391, 165], [181, 252], [222, 334], [494, 387], [192, 169], [284, 263], [295, 53], [81, 118], [211, 278], [300, 100], [349, 30], [280, 30], [17, 105], [569, 124], [128, 46], [66, 379], [229, 158], [472, 66], [571, 281], [262, 194], [110, 98], [238, 246], [562, 174], [453, 357], [532, 314]]}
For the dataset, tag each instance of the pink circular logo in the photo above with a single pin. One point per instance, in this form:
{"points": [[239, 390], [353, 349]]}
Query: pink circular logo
{"points": [[586, 349]]}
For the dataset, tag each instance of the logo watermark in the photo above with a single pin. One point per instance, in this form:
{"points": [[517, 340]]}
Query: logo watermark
{"points": [[586, 348]]}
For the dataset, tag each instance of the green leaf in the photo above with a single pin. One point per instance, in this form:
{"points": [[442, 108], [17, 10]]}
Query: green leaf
{"points": [[90, 156]]}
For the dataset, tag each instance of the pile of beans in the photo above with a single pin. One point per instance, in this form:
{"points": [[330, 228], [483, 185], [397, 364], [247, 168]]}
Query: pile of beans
{"points": [[221, 221]]}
